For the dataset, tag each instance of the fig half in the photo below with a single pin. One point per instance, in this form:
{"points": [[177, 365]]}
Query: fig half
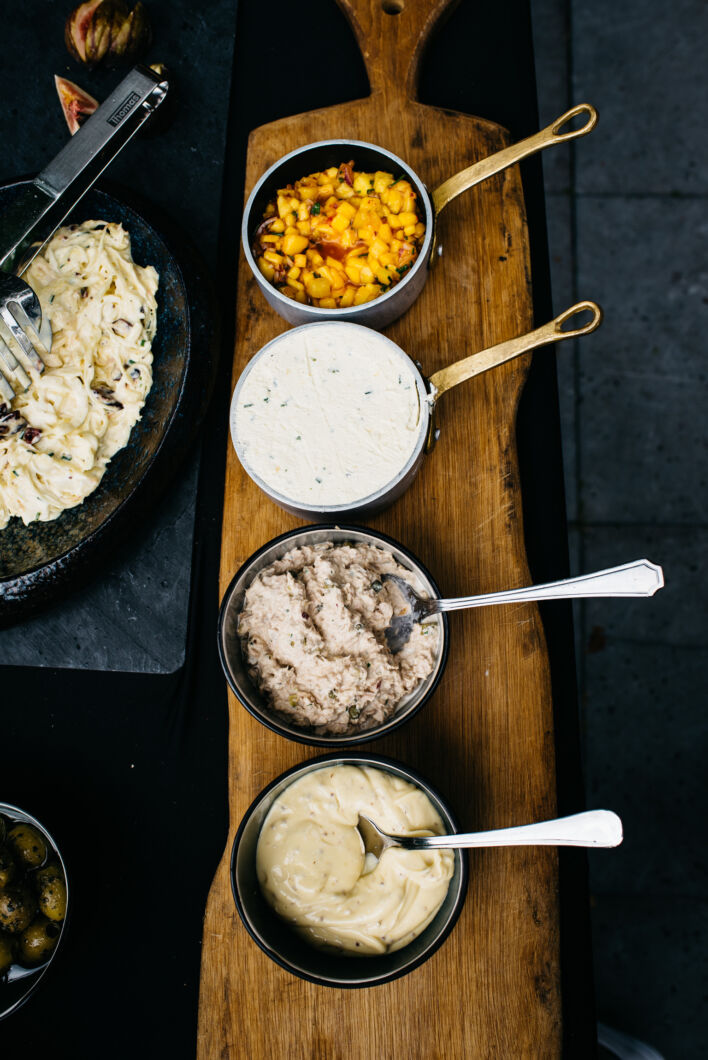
{"points": [[76, 104], [107, 32]]}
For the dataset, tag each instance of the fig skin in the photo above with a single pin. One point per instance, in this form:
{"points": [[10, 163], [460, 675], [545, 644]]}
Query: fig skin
{"points": [[76, 104], [107, 32]]}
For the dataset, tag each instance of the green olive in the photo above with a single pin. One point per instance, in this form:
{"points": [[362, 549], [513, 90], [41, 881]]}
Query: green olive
{"points": [[28, 845], [37, 942], [7, 867], [7, 953], [51, 889], [17, 907]]}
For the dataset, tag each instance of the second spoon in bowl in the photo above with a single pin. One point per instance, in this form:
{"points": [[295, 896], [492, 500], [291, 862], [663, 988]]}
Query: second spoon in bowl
{"points": [[640, 578], [594, 828]]}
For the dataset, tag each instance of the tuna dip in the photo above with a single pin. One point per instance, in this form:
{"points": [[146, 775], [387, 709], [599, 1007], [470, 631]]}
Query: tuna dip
{"points": [[312, 868], [312, 634]]}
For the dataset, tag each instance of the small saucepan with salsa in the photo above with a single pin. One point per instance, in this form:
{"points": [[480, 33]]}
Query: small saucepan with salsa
{"points": [[334, 419], [345, 230]]}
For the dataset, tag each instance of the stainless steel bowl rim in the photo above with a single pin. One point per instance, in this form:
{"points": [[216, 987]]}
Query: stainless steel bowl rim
{"points": [[371, 498], [386, 763], [423, 254], [304, 736], [9, 810]]}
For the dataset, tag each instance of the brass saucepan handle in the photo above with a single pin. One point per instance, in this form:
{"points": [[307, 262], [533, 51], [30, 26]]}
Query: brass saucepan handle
{"points": [[495, 163], [477, 363]]}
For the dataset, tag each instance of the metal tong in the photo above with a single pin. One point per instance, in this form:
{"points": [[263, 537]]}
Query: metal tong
{"points": [[41, 206]]}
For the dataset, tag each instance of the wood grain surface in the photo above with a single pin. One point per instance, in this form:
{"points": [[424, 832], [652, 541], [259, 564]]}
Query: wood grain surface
{"points": [[486, 738]]}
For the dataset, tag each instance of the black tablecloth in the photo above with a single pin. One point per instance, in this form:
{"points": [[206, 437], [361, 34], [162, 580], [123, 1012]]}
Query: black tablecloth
{"points": [[129, 771]]}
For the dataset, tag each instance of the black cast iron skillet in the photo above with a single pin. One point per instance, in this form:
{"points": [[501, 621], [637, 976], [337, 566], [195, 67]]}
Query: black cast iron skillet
{"points": [[43, 561]]}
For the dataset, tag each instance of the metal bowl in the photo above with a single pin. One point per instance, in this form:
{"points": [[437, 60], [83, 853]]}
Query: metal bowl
{"points": [[428, 391], [230, 645], [326, 153], [283, 945], [311, 159], [20, 983], [41, 561], [374, 502]]}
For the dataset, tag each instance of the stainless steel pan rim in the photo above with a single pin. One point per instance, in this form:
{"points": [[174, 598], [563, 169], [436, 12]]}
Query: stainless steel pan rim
{"points": [[33, 976], [296, 956], [386, 308], [429, 390], [229, 645], [374, 501]]}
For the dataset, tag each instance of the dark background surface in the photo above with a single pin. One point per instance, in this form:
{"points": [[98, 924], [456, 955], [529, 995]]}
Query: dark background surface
{"points": [[129, 772], [628, 225]]}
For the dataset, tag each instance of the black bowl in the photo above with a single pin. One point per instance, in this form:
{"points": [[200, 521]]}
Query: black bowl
{"points": [[37, 562], [287, 948]]}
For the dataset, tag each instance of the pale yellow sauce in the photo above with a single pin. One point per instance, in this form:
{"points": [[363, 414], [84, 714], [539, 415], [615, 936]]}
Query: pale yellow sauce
{"points": [[313, 871]]}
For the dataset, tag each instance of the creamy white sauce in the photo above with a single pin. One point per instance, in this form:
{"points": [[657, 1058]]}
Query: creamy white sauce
{"points": [[328, 415], [313, 871]]}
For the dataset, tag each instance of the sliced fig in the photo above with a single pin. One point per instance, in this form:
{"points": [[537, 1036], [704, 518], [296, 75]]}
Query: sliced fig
{"points": [[77, 27], [76, 104], [107, 32]]}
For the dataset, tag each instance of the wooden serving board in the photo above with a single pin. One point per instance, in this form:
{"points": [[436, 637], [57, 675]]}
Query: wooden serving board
{"points": [[486, 738]]}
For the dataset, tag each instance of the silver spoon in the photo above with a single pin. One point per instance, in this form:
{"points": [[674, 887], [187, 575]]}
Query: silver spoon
{"points": [[595, 828], [640, 578]]}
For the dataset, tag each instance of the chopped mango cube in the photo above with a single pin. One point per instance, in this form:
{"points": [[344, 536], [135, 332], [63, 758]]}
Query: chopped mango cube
{"points": [[342, 235]]}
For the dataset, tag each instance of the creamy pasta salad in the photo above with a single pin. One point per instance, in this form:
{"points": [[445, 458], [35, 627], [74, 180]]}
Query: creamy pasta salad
{"points": [[57, 437]]}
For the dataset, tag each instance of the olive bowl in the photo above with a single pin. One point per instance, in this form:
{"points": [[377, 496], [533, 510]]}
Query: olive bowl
{"points": [[287, 948], [19, 983], [229, 643]]}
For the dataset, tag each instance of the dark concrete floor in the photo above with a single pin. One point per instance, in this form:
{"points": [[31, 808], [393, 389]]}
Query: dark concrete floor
{"points": [[627, 226]]}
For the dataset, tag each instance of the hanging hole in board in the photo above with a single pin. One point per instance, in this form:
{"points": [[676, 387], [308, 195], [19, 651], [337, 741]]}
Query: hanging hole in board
{"points": [[392, 7]]}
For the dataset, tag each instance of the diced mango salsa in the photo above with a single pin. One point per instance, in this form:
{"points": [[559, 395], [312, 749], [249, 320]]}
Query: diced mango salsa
{"points": [[339, 238]]}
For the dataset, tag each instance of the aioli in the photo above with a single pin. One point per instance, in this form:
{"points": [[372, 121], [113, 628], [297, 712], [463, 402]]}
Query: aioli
{"points": [[312, 868]]}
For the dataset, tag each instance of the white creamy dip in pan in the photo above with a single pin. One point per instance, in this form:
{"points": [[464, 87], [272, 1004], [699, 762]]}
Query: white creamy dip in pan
{"points": [[313, 871], [327, 415]]}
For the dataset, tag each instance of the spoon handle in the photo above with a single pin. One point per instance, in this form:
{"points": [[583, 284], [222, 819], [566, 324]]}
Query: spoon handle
{"points": [[595, 828], [640, 578]]}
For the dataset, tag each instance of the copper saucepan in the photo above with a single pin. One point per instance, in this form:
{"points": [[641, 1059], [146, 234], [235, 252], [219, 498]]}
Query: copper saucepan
{"points": [[315, 157], [429, 390]]}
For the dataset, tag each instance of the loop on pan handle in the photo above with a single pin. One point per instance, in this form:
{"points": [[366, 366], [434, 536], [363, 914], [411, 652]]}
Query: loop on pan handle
{"points": [[477, 363], [501, 160], [582, 108], [568, 314]]}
